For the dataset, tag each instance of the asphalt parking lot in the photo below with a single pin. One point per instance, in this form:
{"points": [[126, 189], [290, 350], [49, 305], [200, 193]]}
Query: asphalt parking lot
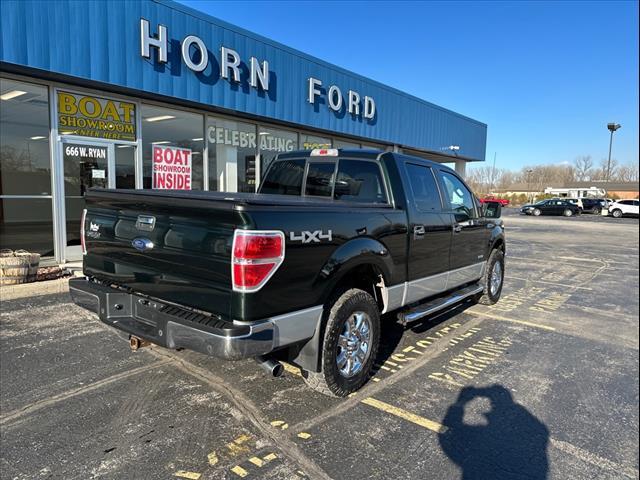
{"points": [[542, 385]]}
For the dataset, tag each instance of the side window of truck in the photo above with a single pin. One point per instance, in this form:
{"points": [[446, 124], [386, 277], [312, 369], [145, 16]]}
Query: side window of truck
{"points": [[360, 182], [320, 179], [284, 178], [458, 197], [423, 187]]}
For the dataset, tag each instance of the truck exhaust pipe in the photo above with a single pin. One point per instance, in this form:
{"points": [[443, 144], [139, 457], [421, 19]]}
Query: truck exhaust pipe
{"points": [[136, 343], [272, 367]]}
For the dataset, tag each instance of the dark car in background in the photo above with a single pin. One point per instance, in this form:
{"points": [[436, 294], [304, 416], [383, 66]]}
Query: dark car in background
{"points": [[551, 207], [593, 205]]}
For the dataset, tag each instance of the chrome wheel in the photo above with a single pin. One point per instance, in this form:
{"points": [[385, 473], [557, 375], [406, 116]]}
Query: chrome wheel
{"points": [[496, 278], [354, 344]]}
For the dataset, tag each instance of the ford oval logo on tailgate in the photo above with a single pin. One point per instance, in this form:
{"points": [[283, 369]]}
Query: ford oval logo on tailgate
{"points": [[142, 244]]}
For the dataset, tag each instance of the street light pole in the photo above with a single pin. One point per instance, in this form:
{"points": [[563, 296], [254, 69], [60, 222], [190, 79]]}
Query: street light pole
{"points": [[612, 128], [529, 172]]}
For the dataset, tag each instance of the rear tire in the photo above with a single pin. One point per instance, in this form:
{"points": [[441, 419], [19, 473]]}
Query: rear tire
{"points": [[349, 345], [493, 278], [617, 213], [568, 212]]}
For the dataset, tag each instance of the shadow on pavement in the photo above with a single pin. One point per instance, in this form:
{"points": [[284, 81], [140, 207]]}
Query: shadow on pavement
{"points": [[489, 436]]}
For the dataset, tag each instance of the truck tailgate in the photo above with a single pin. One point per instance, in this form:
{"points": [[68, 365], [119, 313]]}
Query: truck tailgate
{"points": [[183, 249]]}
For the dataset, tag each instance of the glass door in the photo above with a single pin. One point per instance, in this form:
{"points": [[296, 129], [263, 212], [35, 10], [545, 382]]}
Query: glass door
{"points": [[86, 164]]}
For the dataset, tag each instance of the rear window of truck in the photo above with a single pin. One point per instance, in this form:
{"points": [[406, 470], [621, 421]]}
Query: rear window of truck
{"points": [[358, 181], [284, 178]]}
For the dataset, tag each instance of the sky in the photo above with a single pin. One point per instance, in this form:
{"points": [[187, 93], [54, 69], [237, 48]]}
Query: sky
{"points": [[546, 77]]}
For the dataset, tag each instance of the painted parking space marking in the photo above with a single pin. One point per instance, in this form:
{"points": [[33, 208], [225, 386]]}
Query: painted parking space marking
{"points": [[189, 475], [401, 413], [566, 447], [594, 459], [511, 320], [238, 470], [253, 462], [557, 284], [471, 361], [550, 303], [281, 424]]}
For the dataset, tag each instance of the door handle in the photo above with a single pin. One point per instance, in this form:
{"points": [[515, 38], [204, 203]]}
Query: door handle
{"points": [[418, 231], [457, 228]]}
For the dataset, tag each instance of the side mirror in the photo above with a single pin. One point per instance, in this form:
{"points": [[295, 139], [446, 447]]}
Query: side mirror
{"points": [[491, 210]]}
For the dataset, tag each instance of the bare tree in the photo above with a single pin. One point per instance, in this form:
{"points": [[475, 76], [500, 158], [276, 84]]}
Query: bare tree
{"points": [[583, 166], [605, 171], [627, 173]]}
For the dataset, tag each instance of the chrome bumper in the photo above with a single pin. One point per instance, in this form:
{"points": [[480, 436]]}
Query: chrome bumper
{"points": [[172, 327]]}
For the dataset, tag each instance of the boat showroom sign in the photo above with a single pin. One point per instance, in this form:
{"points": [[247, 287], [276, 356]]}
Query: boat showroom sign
{"points": [[231, 64], [171, 168]]}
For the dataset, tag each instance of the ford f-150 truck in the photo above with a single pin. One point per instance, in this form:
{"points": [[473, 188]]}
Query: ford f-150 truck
{"points": [[301, 271]]}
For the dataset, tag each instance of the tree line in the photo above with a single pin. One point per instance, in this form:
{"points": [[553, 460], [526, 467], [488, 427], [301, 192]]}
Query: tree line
{"points": [[485, 179]]}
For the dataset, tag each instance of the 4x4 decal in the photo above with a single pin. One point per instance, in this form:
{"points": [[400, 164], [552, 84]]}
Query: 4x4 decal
{"points": [[308, 237]]}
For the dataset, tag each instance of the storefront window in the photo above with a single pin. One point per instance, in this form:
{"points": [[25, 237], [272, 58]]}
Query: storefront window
{"points": [[272, 142], [345, 144], [172, 128], [25, 168], [125, 166], [232, 150], [309, 142]]}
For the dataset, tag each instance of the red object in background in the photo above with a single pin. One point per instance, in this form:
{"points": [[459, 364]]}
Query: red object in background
{"points": [[492, 198]]}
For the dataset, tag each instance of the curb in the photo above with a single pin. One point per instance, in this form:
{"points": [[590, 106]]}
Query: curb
{"points": [[35, 289]]}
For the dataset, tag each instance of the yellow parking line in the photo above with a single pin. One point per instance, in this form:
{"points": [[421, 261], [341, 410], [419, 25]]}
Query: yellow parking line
{"points": [[241, 472], [399, 412], [189, 475], [291, 369], [512, 320], [269, 457], [256, 461]]}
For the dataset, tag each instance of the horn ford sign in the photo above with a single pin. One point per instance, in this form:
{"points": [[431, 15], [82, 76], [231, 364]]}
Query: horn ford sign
{"points": [[171, 168], [90, 116], [232, 66]]}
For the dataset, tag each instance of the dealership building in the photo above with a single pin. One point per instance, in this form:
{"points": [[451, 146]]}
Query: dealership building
{"points": [[89, 91]]}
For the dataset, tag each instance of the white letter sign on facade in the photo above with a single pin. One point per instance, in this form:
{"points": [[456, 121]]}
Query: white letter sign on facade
{"points": [[147, 41], [229, 59], [335, 100], [369, 108], [259, 74], [230, 70], [204, 55], [313, 91]]}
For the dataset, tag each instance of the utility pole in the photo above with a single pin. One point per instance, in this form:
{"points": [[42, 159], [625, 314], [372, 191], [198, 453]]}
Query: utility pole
{"points": [[612, 128], [493, 172], [529, 172]]}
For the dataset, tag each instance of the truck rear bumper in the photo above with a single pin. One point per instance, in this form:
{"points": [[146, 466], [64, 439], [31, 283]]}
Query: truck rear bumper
{"points": [[171, 326]]}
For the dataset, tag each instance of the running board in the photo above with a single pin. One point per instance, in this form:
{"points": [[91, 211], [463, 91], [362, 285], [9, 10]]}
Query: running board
{"points": [[437, 304]]}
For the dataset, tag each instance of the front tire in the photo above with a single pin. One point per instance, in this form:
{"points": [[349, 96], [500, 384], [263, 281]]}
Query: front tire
{"points": [[537, 212], [349, 346], [568, 213], [617, 213], [493, 278]]}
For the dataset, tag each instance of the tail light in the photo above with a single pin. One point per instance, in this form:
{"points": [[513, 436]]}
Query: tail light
{"points": [[256, 255], [83, 244]]}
